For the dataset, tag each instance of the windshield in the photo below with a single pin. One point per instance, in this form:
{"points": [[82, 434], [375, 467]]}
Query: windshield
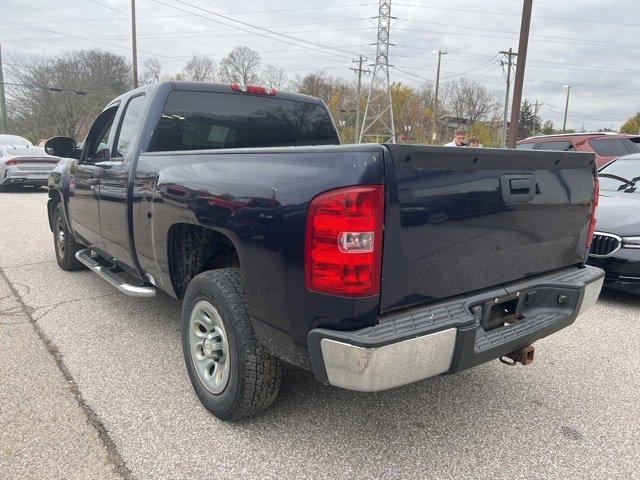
{"points": [[14, 140], [621, 175]]}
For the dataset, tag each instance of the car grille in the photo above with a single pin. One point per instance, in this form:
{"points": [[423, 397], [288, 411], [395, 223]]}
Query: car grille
{"points": [[605, 244]]}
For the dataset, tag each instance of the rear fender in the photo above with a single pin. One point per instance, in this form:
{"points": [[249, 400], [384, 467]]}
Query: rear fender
{"points": [[59, 191]]}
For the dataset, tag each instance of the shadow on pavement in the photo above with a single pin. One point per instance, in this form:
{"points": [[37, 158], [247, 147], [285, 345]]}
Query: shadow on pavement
{"points": [[24, 190], [619, 297]]}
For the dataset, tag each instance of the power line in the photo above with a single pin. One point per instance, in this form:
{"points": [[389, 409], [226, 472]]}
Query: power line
{"points": [[473, 69], [127, 16], [213, 33], [272, 32], [486, 12], [86, 39], [553, 39], [558, 65], [53, 89], [336, 6]]}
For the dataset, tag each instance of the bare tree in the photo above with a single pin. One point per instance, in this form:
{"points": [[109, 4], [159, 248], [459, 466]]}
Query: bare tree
{"points": [[470, 100], [317, 84], [62, 95], [151, 71], [274, 76], [200, 69], [240, 66]]}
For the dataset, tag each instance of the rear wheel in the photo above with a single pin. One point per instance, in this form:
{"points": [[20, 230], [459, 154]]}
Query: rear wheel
{"points": [[64, 243], [232, 374]]}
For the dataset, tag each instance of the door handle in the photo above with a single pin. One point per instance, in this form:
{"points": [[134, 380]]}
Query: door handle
{"points": [[520, 188]]}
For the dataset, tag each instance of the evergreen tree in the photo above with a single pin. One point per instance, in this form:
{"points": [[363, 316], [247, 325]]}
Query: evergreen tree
{"points": [[529, 122]]}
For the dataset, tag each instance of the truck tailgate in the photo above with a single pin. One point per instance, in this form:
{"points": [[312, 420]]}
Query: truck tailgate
{"points": [[460, 219]]}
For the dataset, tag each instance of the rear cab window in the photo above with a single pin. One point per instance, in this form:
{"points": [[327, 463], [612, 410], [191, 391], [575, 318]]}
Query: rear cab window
{"points": [[613, 147], [212, 120], [558, 146]]}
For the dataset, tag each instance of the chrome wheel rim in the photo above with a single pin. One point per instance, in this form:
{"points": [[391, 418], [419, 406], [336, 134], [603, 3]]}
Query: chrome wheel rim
{"points": [[209, 347], [60, 238]]}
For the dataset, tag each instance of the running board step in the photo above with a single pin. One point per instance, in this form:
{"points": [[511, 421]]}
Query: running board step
{"points": [[86, 258]]}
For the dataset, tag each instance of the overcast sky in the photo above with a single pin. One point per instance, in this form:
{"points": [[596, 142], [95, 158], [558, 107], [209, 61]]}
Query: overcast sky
{"points": [[582, 42]]}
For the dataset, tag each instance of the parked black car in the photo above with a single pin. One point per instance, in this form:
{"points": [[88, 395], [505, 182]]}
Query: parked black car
{"points": [[616, 243]]}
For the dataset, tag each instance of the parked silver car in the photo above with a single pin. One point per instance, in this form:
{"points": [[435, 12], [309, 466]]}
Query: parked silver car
{"points": [[22, 163]]}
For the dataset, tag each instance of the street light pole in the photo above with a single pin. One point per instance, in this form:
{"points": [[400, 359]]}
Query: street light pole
{"points": [[133, 44], [434, 134], [566, 107]]}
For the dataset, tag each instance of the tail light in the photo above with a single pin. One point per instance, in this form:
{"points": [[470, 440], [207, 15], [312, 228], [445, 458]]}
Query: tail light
{"points": [[343, 247], [255, 89], [15, 161], [592, 215]]}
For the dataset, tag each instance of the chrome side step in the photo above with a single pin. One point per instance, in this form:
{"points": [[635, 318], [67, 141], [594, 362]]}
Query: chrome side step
{"points": [[86, 258]]}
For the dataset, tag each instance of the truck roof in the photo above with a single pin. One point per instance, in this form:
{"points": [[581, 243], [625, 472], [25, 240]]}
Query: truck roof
{"points": [[576, 134], [214, 87]]}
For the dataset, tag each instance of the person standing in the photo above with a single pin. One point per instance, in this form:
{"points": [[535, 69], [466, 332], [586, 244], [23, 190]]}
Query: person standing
{"points": [[458, 139], [473, 143]]}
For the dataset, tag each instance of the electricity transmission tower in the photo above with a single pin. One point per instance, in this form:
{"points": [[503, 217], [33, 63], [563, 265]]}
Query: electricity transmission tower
{"points": [[377, 124]]}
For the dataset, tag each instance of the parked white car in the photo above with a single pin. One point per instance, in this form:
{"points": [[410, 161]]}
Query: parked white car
{"points": [[23, 164]]}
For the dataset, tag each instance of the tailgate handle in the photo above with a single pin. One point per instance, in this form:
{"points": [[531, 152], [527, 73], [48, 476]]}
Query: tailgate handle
{"points": [[518, 188]]}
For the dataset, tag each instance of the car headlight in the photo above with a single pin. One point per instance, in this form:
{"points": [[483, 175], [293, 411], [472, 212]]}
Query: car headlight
{"points": [[630, 242]]}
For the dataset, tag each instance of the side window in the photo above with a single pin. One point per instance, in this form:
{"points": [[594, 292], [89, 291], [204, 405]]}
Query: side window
{"points": [[559, 146], [98, 139], [610, 147], [129, 126], [525, 146]]}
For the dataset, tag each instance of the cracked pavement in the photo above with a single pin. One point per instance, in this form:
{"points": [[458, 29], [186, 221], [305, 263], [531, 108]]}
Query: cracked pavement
{"points": [[94, 386]]}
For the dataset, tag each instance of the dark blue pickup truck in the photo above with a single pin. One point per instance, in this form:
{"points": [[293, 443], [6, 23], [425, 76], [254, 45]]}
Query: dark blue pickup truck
{"points": [[372, 265]]}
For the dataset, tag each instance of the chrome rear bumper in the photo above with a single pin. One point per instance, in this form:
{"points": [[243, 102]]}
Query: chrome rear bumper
{"points": [[373, 369], [448, 337]]}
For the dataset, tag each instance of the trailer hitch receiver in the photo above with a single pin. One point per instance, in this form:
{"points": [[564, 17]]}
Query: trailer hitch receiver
{"points": [[523, 356]]}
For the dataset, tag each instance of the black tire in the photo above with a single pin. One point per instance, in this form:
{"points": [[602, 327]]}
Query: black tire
{"points": [[254, 374], [67, 248]]}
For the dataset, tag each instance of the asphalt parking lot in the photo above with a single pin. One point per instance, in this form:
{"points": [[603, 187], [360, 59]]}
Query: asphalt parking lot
{"points": [[94, 386]]}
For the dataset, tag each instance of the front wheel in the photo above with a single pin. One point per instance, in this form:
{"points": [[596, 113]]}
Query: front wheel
{"points": [[64, 243], [232, 374]]}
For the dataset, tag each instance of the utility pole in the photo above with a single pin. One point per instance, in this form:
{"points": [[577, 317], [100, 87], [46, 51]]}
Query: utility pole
{"points": [[434, 134], [359, 71], [536, 109], [525, 25], [133, 44], [3, 100], [509, 54], [566, 107], [377, 122]]}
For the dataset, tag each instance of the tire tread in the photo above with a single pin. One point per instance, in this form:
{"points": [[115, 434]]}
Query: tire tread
{"points": [[261, 372]]}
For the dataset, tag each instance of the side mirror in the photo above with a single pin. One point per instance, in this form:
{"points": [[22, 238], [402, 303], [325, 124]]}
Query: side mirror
{"points": [[61, 147]]}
